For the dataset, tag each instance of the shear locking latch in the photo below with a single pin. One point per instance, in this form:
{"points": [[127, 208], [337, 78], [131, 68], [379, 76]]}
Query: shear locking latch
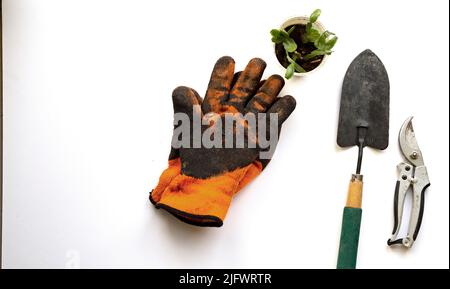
{"points": [[411, 174]]}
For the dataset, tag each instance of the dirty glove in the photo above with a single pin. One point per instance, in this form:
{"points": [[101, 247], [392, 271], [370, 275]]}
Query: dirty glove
{"points": [[200, 181]]}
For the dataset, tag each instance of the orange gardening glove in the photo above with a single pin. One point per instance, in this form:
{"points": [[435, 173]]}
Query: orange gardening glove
{"points": [[200, 182]]}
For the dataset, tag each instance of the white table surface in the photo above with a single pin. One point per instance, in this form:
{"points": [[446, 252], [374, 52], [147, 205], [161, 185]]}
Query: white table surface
{"points": [[88, 118]]}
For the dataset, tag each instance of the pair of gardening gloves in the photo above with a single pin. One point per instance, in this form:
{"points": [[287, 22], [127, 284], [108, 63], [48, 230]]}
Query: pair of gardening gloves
{"points": [[199, 183]]}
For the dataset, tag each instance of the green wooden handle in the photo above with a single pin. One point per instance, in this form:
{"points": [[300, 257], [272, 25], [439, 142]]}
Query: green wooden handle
{"points": [[348, 248]]}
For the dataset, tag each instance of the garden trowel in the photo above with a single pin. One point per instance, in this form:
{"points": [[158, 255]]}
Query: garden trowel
{"points": [[363, 121]]}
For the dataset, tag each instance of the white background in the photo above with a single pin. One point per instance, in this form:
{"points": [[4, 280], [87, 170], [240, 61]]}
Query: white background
{"points": [[88, 119]]}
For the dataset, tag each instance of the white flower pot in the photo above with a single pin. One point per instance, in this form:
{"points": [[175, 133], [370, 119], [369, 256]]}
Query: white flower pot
{"points": [[303, 20]]}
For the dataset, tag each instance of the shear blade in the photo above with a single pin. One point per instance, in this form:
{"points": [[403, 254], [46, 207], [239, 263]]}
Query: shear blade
{"points": [[408, 143]]}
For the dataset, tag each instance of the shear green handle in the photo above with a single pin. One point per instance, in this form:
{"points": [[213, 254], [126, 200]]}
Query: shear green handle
{"points": [[351, 222]]}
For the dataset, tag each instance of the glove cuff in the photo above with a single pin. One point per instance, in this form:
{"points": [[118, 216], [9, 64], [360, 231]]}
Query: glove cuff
{"points": [[201, 202]]}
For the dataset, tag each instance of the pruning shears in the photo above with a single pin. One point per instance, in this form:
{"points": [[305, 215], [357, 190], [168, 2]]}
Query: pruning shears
{"points": [[412, 173]]}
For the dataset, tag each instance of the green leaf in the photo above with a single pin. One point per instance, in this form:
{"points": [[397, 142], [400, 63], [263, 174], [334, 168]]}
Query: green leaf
{"points": [[320, 42], [317, 52], [289, 71], [313, 35], [277, 36], [289, 44], [281, 36], [329, 44], [314, 15], [304, 36], [300, 69], [308, 27], [289, 58], [290, 30], [284, 33], [297, 66]]}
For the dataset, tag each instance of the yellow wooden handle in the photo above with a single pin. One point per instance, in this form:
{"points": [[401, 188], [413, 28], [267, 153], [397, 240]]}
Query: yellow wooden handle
{"points": [[354, 195]]}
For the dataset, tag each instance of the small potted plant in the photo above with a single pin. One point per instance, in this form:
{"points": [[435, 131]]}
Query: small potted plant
{"points": [[302, 43]]}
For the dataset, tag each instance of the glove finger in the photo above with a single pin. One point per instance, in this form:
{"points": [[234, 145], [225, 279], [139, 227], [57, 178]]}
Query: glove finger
{"points": [[266, 94], [235, 78], [283, 107], [219, 85], [184, 98], [247, 83], [261, 83]]}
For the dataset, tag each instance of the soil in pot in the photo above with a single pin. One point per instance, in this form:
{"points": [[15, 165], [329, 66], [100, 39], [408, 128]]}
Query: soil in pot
{"points": [[302, 48]]}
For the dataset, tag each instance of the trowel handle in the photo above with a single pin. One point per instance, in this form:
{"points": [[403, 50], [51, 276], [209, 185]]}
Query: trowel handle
{"points": [[351, 222]]}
